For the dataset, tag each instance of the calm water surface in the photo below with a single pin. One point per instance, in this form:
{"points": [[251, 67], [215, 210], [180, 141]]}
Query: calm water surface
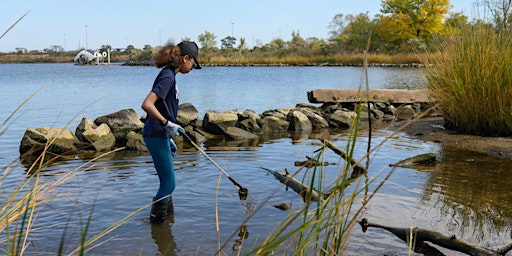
{"points": [[466, 194]]}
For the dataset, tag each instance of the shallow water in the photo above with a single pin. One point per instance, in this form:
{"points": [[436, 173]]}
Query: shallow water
{"points": [[465, 194]]}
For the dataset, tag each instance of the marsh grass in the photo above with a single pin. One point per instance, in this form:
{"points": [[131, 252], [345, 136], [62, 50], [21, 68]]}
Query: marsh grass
{"points": [[471, 79], [340, 59]]}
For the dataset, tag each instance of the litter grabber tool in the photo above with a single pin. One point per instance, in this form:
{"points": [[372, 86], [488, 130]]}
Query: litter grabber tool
{"points": [[242, 192]]}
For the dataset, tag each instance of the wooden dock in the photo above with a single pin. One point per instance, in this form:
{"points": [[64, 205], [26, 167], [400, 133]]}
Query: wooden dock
{"points": [[393, 96]]}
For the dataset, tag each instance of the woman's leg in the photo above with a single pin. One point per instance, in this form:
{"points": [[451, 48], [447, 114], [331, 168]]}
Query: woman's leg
{"points": [[160, 151]]}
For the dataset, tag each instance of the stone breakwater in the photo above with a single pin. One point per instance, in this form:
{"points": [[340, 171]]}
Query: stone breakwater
{"points": [[123, 129]]}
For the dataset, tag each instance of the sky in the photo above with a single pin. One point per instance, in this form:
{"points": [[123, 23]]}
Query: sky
{"points": [[93, 23]]}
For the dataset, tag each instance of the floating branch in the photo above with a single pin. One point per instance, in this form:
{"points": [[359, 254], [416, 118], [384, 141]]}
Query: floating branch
{"points": [[311, 162], [303, 190], [448, 242], [423, 159]]}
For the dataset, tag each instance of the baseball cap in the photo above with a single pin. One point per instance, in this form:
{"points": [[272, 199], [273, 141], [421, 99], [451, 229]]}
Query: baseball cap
{"points": [[190, 48]]}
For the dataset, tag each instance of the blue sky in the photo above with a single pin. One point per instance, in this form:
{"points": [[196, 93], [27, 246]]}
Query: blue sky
{"points": [[92, 23]]}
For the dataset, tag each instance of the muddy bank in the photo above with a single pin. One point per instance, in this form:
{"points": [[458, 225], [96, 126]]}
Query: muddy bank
{"points": [[432, 129]]}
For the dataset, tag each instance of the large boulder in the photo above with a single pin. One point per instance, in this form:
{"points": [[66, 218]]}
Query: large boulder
{"points": [[135, 141], [100, 137], [235, 133], [341, 119], [317, 120], [61, 141], [249, 121], [187, 114], [405, 112], [298, 121], [216, 122], [84, 125], [274, 124], [121, 123]]}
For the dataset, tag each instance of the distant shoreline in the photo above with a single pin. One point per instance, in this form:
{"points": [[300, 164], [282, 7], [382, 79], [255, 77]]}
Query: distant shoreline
{"points": [[408, 60]]}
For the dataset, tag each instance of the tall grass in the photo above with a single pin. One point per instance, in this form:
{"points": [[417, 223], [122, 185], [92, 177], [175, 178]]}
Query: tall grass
{"points": [[340, 59], [471, 79], [21, 204]]}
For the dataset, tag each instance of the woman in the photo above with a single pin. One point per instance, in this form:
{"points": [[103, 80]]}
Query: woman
{"points": [[161, 106]]}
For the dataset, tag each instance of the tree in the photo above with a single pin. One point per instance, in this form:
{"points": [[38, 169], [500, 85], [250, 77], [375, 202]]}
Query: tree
{"points": [[207, 41], [228, 43], [297, 41], [337, 27], [454, 22], [243, 45], [501, 11], [130, 48], [359, 30], [21, 50], [408, 19], [105, 48]]}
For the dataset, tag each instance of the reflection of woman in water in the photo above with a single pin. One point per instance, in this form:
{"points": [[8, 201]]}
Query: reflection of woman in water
{"points": [[163, 238]]}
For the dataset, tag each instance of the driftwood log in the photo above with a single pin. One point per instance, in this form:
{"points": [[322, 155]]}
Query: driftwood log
{"points": [[449, 242], [358, 170]]}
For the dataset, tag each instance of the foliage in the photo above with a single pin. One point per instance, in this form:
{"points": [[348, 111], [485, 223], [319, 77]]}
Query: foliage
{"points": [[414, 18], [501, 11], [207, 41], [473, 71]]}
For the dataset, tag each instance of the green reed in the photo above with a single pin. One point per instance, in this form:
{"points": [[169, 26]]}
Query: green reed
{"points": [[470, 77]]}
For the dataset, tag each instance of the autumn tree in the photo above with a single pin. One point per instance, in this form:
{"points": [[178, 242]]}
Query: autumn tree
{"points": [[407, 19]]}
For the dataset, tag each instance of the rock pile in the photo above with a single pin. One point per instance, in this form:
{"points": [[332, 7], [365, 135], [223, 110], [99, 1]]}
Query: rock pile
{"points": [[124, 128]]}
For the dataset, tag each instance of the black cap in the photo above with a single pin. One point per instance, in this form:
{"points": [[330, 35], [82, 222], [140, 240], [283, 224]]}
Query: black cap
{"points": [[190, 48]]}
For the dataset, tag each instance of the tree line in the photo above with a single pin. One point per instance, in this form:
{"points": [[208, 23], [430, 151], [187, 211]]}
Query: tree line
{"points": [[402, 26]]}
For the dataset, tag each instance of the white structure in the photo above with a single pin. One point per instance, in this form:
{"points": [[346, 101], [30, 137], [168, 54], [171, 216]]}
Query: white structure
{"points": [[88, 57]]}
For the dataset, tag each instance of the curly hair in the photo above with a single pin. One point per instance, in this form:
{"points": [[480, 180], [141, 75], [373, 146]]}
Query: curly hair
{"points": [[168, 55]]}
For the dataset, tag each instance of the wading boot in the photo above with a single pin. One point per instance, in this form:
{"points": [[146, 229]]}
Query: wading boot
{"points": [[158, 212], [170, 207]]}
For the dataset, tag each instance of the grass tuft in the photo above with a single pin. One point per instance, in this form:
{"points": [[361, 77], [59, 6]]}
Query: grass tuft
{"points": [[470, 78]]}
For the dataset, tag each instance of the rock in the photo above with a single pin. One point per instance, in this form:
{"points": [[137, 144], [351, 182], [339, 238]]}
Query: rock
{"points": [[249, 114], [135, 141], [63, 142], [341, 119], [215, 122], [249, 121], [239, 134], [250, 125], [404, 112], [187, 114], [101, 137], [273, 124], [317, 120], [84, 125], [197, 136], [298, 121], [280, 112], [121, 123]]}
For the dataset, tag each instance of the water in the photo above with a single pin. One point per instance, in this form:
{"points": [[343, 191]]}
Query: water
{"points": [[465, 195]]}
